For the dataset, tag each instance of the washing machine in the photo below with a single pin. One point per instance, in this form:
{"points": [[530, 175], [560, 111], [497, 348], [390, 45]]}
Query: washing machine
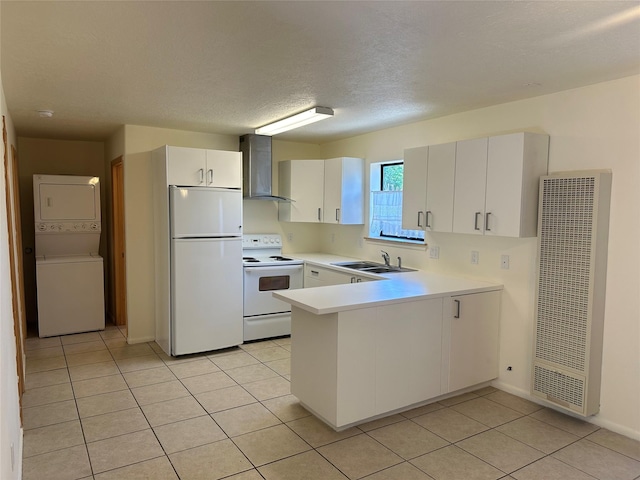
{"points": [[69, 270]]}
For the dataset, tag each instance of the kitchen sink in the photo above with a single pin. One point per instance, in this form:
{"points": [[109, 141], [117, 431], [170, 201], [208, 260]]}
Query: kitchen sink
{"points": [[372, 267]]}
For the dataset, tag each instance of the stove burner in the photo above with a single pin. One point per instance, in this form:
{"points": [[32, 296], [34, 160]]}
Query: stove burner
{"points": [[279, 258], [250, 260]]}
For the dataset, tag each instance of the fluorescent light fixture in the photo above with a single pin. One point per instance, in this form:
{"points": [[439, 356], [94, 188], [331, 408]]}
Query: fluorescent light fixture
{"points": [[295, 121]]}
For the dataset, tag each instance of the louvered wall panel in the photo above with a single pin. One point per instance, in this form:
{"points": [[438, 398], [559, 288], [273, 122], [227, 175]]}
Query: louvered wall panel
{"points": [[573, 223]]}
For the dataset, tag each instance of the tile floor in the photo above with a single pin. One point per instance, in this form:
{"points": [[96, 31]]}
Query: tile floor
{"points": [[97, 408]]}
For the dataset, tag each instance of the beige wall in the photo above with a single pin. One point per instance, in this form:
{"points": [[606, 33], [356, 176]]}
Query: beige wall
{"points": [[54, 157], [596, 127]]}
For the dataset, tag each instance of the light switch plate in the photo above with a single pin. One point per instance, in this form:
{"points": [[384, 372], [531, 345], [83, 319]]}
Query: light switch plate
{"points": [[504, 262], [434, 252], [475, 257]]}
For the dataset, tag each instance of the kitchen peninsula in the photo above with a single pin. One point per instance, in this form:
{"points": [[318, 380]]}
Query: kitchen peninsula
{"points": [[365, 350]]}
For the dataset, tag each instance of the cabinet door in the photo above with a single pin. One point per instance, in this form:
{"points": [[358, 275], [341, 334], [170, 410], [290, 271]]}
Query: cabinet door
{"points": [[414, 188], [514, 166], [319, 276], [186, 166], [408, 353], [441, 169], [344, 191], [470, 182], [332, 190], [473, 324], [224, 169], [303, 182], [504, 185]]}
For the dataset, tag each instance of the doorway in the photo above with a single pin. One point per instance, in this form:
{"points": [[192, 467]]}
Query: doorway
{"points": [[119, 253]]}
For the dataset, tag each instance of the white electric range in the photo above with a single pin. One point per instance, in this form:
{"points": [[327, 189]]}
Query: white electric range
{"points": [[266, 271]]}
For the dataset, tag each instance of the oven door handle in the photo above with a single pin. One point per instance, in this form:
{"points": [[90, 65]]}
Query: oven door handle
{"points": [[279, 269]]}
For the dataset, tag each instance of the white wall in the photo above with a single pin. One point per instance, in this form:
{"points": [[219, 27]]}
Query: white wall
{"points": [[595, 127], [10, 428]]}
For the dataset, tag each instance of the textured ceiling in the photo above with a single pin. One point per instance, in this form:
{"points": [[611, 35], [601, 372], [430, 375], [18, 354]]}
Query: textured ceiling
{"points": [[229, 67]]}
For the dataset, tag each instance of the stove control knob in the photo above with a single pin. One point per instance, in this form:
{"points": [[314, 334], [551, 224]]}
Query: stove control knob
{"points": [[276, 240]]}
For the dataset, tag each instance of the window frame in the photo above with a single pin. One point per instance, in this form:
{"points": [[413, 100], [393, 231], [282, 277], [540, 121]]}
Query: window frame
{"points": [[377, 169]]}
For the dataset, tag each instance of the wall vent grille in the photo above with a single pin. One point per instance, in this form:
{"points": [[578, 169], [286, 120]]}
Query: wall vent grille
{"points": [[561, 386], [573, 220]]}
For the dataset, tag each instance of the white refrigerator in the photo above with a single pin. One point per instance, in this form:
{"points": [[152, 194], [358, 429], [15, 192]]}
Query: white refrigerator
{"points": [[206, 268]]}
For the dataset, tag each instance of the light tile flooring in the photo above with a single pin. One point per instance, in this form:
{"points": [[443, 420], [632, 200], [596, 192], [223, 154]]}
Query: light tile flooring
{"points": [[97, 408]]}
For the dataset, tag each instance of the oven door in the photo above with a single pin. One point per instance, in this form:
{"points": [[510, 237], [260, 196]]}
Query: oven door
{"points": [[260, 282]]}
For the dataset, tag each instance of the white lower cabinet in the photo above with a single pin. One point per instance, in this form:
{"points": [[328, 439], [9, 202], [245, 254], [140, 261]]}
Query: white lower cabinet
{"points": [[315, 276], [355, 365], [470, 338], [411, 374]]}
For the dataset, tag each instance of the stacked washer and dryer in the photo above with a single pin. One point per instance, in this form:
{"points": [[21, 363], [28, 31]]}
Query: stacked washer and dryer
{"points": [[69, 270]]}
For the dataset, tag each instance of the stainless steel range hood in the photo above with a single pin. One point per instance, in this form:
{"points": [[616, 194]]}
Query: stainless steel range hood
{"points": [[256, 168]]}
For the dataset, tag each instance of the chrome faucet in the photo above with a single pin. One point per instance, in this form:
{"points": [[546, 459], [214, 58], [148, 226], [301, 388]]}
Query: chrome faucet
{"points": [[385, 257]]}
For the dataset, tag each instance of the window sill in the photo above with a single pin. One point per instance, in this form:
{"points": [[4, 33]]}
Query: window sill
{"points": [[413, 244]]}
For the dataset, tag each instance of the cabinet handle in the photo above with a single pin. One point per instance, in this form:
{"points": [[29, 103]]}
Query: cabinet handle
{"points": [[210, 176], [419, 224], [457, 315], [314, 272], [337, 214], [319, 214], [358, 280], [486, 221], [201, 172], [475, 221], [426, 216], [353, 279]]}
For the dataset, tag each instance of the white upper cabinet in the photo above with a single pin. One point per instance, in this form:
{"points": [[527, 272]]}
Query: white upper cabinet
{"points": [[223, 169], [186, 166], [470, 178], [414, 188], [441, 169], [303, 182], [515, 164], [344, 191], [428, 187], [325, 191], [496, 184], [196, 167]]}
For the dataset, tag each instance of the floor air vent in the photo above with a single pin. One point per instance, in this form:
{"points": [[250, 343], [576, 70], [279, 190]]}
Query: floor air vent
{"points": [[573, 226]]}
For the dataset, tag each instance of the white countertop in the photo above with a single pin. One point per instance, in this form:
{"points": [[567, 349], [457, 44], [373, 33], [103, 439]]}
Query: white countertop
{"points": [[391, 288]]}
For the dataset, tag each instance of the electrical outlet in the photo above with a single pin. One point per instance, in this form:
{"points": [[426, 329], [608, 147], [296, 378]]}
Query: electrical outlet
{"points": [[333, 237], [290, 237], [434, 252], [475, 257], [504, 262]]}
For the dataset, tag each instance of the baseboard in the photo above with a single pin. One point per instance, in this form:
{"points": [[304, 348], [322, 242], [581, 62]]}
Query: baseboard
{"points": [[595, 419], [134, 340]]}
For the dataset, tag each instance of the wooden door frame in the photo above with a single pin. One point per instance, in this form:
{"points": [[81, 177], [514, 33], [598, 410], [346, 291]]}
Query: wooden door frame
{"points": [[15, 257], [118, 241]]}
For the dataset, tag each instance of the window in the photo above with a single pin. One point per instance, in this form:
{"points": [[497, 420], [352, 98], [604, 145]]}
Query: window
{"points": [[385, 209]]}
